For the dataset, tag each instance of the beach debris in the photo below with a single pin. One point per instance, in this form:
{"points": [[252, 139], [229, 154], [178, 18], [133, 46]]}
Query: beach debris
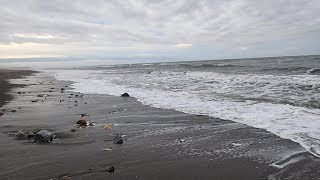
{"points": [[117, 140], [125, 95], [82, 122], [110, 169], [65, 178], [108, 126], [44, 136], [83, 115], [20, 134]]}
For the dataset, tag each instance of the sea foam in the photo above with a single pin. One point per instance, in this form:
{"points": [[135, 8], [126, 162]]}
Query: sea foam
{"points": [[215, 95]]}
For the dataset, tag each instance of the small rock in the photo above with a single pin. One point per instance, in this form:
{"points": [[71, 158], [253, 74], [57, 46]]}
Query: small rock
{"points": [[20, 134], [19, 107], [82, 122], [65, 178], [30, 134], [91, 124], [34, 101], [117, 140], [83, 115], [107, 126], [40, 95], [110, 169], [19, 92], [1, 114], [62, 89], [73, 130], [13, 110], [44, 136], [125, 95]]}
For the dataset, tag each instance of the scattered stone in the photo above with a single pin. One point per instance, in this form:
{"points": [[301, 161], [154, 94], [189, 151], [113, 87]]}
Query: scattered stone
{"points": [[182, 140], [110, 169], [82, 122], [73, 130], [71, 94], [20, 134], [107, 126], [125, 95], [19, 107], [85, 103], [76, 95], [51, 88], [76, 101], [44, 136], [1, 114], [62, 89], [91, 124], [23, 92], [83, 115], [65, 178], [34, 101], [13, 110], [40, 95], [30, 134], [117, 140], [19, 92]]}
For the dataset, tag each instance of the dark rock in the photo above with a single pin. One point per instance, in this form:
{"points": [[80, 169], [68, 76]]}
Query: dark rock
{"points": [[40, 95], [1, 114], [76, 95], [117, 140], [110, 169], [82, 122], [125, 95], [19, 107], [44, 136], [34, 100], [91, 124], [73, 130], [62, 89], [13, 110], [30, 134], [83, 115], [19, 92]]}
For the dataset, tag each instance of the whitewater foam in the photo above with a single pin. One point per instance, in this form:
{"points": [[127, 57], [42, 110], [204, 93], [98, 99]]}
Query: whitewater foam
{"points": [[190, 92]]}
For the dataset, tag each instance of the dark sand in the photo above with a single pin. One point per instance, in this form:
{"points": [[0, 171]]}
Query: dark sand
{"points": [[158, 143]]}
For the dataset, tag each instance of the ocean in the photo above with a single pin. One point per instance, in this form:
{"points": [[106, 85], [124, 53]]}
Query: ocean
{"points": [[279, 94]]}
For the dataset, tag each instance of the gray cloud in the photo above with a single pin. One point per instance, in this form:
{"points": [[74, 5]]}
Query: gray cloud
{"points": [[138, 26]]}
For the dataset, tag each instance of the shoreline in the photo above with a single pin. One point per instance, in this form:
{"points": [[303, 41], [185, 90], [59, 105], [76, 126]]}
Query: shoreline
{"points": [[158, 143]]}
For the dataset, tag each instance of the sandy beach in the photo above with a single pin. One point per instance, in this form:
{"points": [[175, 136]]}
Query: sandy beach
{"points": [[157, 143]]}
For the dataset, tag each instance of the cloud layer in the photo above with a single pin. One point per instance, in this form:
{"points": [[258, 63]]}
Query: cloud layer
{"points": [[36, 28]]}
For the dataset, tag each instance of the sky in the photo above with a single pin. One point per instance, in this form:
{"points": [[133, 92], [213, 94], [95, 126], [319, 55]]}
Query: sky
{"points": [[158, 29]]}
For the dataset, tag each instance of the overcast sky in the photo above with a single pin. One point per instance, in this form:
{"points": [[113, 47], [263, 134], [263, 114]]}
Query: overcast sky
{"points": [[151, 29]]}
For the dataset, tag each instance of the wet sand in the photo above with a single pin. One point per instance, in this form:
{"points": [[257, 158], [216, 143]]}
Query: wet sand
{"points": [[158, 143]]}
